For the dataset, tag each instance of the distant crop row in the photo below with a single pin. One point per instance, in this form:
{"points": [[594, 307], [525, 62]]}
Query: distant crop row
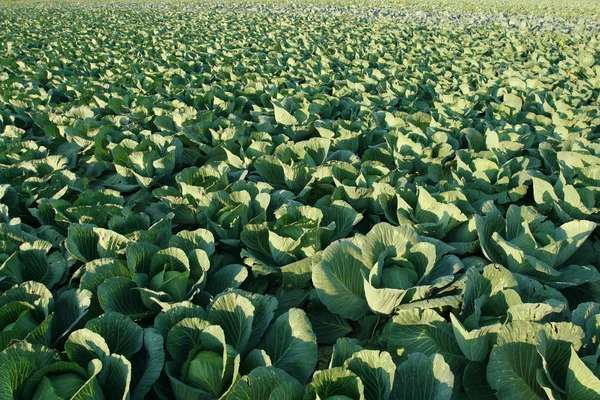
{"points": [[572, 8], [298, 202]]}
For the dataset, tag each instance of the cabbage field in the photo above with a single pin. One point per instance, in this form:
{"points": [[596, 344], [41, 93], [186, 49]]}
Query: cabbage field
{"points": [[300, 201]]}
